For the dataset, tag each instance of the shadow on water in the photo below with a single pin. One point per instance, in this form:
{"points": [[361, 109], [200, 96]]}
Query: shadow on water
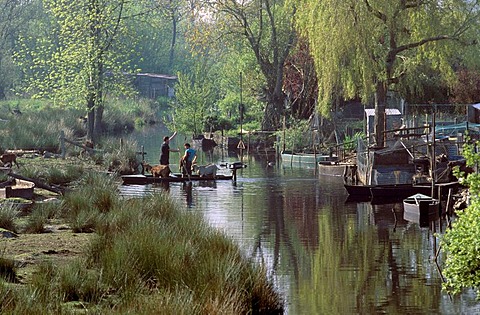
{"points": [[326, 254]]}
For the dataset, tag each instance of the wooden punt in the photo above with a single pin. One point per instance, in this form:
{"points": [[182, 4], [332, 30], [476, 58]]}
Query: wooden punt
{"points": [[398, 191], [173, 178]]}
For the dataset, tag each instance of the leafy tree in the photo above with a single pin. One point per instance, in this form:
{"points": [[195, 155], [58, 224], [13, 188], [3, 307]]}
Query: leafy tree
{"points": [[239, 79], [195, 95], [267, 28], [14, 17], [82, 58], [461, 243], [366, 47]]}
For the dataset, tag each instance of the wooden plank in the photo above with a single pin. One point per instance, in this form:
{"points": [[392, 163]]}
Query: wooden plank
{"points": [[38, 183]]}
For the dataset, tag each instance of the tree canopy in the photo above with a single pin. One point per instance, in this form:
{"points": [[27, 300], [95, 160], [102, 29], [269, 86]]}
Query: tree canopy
{"points": [[370, 47], [80, 58], [267, 28]]}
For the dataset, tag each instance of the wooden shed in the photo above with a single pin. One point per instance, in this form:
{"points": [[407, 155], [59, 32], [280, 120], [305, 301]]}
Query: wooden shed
{"points": [[393, 119], [473, 113], [152, 85]]}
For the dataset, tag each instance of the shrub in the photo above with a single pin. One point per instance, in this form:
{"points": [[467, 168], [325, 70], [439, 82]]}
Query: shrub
{"points": [[461, 242]]}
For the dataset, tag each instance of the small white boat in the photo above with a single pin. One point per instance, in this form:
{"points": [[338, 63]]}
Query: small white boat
{"points": [[421, 209]]}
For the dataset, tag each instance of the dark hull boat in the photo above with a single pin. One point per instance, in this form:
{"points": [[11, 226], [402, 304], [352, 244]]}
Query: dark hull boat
{"points": [[173, 178], [393, 192]]}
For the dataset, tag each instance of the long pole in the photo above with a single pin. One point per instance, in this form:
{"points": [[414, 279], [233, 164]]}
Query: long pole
{"points": [[434, 162], [241, 119], [241, 108]]}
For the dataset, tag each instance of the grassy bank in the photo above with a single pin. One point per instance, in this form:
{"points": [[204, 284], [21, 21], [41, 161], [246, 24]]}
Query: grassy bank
{"points": [[144, 256], [36, 124]]}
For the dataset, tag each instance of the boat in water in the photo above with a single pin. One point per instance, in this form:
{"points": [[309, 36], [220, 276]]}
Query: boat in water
{"points": [[139, 179], [421, 209], [305, 159]]}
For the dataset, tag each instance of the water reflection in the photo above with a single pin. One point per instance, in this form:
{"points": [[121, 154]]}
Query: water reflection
{"points": [[326, 255]]}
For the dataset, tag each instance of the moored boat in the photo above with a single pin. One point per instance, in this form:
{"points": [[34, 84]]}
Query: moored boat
{"points": [[335, 169], [399, 191], [393, 191], [149, 179], [289, 157], [358, 190], [421, 208]]}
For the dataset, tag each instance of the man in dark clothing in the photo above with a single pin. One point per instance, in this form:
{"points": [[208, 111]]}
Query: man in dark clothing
{"points": [[165, 149]]}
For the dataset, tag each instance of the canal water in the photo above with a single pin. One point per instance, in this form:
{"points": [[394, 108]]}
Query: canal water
{"points": [[326, 255]]}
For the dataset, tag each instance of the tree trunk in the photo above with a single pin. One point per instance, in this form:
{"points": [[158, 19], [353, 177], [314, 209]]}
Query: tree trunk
{"points": [[98, 121], [171, 56], [99, 106], [90, 117], [380, 119], [273, 111], [275, 106]]}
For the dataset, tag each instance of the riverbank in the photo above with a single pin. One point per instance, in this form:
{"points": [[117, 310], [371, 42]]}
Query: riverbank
{"points": [[92, 251]]}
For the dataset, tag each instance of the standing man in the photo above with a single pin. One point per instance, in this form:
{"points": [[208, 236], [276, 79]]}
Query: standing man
{"points": [[165, 149], [188, 159]]}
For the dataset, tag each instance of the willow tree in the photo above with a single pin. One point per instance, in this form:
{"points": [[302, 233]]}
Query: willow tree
{"points": [[81, 58], [367, 47], [267, 28]]}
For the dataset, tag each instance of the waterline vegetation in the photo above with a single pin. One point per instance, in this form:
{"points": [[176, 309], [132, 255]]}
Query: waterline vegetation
{"points": [[146, 255]]}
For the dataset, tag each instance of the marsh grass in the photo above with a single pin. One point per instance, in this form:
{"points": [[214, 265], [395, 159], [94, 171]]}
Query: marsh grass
{"points": [[120, 155], [148, 256], [36, 222], [49, 172], [7, 269], [39, 129], [8, 213], [40, 123]]}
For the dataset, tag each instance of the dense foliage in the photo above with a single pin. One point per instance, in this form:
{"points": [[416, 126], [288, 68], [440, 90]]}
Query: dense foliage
{"points": [[371, 47], [240, 54], [462, 242]]}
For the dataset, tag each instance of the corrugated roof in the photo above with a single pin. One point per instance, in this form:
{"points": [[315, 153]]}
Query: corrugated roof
{"points": [[477, 106], [388, 111], [160, 76]]}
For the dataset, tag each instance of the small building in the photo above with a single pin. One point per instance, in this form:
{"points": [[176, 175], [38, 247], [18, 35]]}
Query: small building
{"points": [[393, 120], [152, 85], [473, 113]]}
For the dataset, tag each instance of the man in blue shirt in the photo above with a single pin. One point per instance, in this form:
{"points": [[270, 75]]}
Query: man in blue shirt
{"points": [[188, 159]]}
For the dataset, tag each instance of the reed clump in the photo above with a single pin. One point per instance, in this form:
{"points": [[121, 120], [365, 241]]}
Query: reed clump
{"points": [[148, 256]]}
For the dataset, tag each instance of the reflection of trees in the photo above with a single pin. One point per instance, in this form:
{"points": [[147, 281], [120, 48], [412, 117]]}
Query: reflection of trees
{"points": [[369, 269], [277, 229], [342, 262]]}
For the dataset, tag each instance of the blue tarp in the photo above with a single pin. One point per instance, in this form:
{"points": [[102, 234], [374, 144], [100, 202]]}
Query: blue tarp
{"points": [[454, 129]]}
